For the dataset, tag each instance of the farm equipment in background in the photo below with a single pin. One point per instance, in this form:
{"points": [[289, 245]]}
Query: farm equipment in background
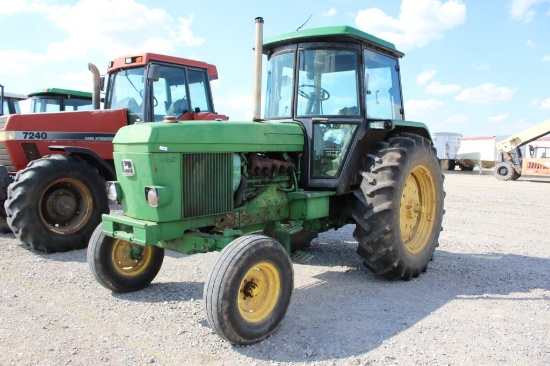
{"points": [[332, 149], [447, 145], [538, 164], [56, 99], [478, 151], [54, 165], [9, 103]]}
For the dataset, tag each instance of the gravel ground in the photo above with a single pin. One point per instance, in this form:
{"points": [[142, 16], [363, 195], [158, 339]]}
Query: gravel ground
{"points": [[484, 300]]}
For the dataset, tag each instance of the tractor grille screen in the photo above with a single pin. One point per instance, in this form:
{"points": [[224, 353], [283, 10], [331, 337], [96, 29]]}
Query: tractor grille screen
{"points": [[207, 187], [5, 158]]}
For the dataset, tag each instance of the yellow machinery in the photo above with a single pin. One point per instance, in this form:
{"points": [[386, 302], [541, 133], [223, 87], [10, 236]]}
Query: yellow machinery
{"points": [[517, 165]]}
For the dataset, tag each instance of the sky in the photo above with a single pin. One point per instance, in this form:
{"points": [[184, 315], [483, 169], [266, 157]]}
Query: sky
{"points": [[473, 67]]}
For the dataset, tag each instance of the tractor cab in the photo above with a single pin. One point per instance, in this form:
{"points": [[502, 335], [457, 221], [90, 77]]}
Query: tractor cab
{"points": [[56, 100], [336, 81], [152, 86]]}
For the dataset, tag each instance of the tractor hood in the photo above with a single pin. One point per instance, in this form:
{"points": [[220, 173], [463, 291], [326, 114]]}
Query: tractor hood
{"points": [[209, 137]]}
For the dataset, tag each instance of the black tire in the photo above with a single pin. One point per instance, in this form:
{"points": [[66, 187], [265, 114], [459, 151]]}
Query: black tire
{"points": [[452, 165], [55, 203], [505, 171], [247, 292], [122, 266], [399, 207], [4, 227]]}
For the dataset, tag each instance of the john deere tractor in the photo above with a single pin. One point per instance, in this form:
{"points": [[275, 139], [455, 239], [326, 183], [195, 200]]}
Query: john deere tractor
{"points": [[333, 148]]}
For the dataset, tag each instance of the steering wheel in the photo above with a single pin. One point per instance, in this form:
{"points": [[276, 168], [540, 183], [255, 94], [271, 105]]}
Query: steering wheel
{"points": [[321, 96]]}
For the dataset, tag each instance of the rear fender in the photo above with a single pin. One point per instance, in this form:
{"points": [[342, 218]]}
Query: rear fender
{"points": [[105, 169]]}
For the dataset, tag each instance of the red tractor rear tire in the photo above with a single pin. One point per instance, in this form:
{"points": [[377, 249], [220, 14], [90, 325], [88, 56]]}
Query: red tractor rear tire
{"points": [[55, 203]]}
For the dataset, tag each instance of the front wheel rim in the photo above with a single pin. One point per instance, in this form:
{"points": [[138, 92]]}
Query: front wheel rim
{"points": [[259, 292], [417, 209], [129, 259]]}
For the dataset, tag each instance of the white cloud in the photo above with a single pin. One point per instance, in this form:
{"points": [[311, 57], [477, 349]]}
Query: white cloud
{"points": [[498, 118], [544, 104], [530, 44], [420, 105], [18, 62], [458, 118], [425, 76], [419, 22], [10, 7], [522, 10], [184, 35], [237, 106], [329, 13], [127, 27], [437, 88], [482, 66], [487, 93], [545, 58]]}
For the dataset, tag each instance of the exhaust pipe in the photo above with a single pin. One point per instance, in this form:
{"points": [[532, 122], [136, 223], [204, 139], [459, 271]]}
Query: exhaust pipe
{"points": [[96, 85], [258, 52]]}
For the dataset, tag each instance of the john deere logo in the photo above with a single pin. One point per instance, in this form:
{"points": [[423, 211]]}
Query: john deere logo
{"points": [[127, 168]]}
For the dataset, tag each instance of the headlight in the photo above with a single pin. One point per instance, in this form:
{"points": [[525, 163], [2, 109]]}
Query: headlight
{"points": [[381, 125], [152, 196], [113, 191], [157, 196]]}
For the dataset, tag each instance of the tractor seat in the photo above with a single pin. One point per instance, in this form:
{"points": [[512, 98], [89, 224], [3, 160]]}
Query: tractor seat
{"points": [[179, 107]]}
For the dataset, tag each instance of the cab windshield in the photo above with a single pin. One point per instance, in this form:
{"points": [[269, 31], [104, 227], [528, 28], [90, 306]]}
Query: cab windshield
{"points": [[126, 91], [327, 83], [177, 91]]}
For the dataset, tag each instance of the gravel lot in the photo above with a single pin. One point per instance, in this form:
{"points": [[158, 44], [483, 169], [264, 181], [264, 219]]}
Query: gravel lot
{"points": [[484, 300]]}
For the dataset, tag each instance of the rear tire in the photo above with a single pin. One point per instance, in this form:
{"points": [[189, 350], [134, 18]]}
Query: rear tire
{"points": [[247, 292], [4, 227], [452, 165], [399, 207], [55, 203], [505, 171], [121, 266]]}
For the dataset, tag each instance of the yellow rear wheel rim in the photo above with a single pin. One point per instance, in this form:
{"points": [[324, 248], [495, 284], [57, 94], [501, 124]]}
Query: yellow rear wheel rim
{"points": [[417, 210]]}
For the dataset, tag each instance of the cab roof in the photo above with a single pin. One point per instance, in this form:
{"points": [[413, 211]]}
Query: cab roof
{"points": [[142, 59], [59, 91], [342, 33], [15, 96]]}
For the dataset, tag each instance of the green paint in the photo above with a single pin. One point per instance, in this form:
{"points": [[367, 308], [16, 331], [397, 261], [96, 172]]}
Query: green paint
{"points": [[330, 33]]}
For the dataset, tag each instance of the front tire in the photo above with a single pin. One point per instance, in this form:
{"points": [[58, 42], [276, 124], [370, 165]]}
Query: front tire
{"points": [[247, 292], [55, 203], [505, 171], [122, 266], [399, 207]]}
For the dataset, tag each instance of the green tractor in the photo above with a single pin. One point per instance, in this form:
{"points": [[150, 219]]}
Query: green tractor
{"points": [[332, 149]]}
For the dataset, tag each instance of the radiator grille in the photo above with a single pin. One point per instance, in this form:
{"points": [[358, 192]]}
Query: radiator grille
{"points": [[207, 187], [5, 158]]}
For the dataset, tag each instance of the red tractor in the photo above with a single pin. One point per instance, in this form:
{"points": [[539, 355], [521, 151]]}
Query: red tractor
{"points": [[53, 166]]}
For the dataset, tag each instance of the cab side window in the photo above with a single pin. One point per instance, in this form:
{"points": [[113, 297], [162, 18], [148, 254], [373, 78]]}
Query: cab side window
{"points": [[198, 89], [382, 87]]}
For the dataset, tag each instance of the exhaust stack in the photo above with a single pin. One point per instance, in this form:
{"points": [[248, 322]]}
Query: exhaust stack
{"points": [[96, 85], [258, 52]]}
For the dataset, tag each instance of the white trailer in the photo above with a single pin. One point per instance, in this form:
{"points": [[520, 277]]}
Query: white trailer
{"points": [[479, 151], [447, 145]]}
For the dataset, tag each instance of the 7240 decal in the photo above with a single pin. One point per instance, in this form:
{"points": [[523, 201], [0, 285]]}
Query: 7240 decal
{"points": [[35, 135]]}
